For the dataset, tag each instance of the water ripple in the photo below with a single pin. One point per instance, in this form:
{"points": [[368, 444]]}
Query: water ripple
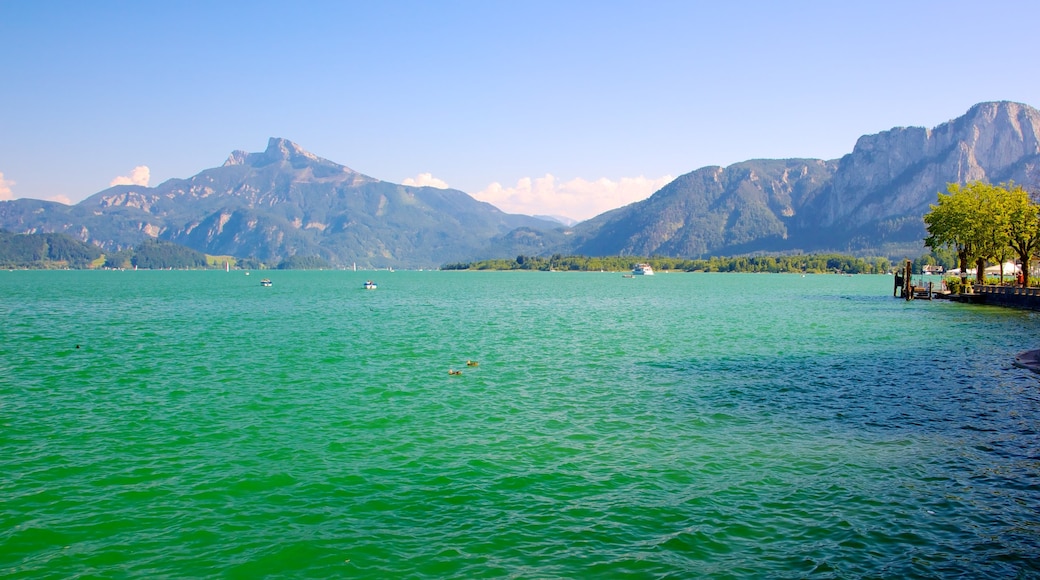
{"points": [[680, 426]]}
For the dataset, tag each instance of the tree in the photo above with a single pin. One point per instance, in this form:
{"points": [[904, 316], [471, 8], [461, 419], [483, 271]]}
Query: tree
{"points": [[955, 222], [304, 263], [985, 222], [119, 259], [993, 227], [1023, 227], [161, 255]]}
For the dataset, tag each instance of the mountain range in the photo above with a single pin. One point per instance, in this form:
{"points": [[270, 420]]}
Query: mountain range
{"points": [[285, 202], [869, 202]]}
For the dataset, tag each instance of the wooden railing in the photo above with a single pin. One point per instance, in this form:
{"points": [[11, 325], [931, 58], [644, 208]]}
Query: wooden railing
{"points": [[1013, 296], [1007, 290]]}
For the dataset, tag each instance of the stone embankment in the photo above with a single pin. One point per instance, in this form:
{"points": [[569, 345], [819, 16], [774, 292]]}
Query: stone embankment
{"points": [[1011, 296]]}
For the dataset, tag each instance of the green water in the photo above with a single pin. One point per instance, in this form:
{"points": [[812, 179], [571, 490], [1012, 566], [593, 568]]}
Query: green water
{"points": [[195, 424]]}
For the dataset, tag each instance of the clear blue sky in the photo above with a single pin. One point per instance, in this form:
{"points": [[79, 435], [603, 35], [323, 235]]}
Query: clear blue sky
{"points": [[486, 91]]}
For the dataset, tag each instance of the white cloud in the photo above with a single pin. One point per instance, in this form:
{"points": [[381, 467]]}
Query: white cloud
{"points": [[5, 188], [139, 176], [425, 180], [578, 198], [6, 194]]}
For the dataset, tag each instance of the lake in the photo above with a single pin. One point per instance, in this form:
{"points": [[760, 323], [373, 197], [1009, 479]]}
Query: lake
{"points": [[196, 424]]}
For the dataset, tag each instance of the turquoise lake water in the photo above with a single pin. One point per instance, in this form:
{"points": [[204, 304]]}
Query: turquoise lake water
{"points": [[195, 424]]}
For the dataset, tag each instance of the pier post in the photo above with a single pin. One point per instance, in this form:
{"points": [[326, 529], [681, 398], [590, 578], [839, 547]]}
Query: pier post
{"points": [[908, 285]]}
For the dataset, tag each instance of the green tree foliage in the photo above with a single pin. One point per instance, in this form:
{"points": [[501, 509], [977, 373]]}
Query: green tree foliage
{"points": [[945, 257], [120, 259], [952, 223], [994, 204], [1023, 228], [984, 222], [304, 263], [822, 263], [63, 251], [160, 255], [45, 251], [251, 263]]}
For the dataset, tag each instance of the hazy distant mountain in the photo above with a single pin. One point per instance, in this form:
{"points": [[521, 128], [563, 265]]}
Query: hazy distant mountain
{"points": [[563, 220], [711, 210], [287, 202], [870, 201], [280, 203]]}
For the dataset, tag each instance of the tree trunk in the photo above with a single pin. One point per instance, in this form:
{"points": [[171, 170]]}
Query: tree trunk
{"points": [[962, 259]]}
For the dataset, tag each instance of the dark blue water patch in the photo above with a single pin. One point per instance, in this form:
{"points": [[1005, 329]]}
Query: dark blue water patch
{"points": [[891, 390], [974, 422]]}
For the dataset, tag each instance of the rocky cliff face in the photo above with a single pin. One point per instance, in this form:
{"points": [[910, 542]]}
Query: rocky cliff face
{"points": [[897, 173], [871, 200], [712, 209], [284, 156]]}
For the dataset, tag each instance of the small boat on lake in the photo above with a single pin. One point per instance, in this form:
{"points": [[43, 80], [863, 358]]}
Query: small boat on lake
{"points": [[369, 285], [643, 269], [265, 282]]}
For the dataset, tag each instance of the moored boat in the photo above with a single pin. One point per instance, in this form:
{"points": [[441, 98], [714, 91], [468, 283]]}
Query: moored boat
{"points": [[643, 269]]}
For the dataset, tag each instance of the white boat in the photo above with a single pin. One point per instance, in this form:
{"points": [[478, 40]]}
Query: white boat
{"points": [[643, 270], [265, 282], [370, 285]]}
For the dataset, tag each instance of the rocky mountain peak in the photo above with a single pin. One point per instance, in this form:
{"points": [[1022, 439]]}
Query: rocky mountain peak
{"points": [[1001, 133], [994, 110], [279, 149], [897, 172], [283, 151]]}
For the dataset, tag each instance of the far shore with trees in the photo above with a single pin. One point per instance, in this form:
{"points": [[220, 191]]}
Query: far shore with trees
{"points": [[57, 251], [971, 225], [804, 264]]}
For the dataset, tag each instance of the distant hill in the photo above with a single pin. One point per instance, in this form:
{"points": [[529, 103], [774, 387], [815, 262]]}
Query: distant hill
{"points": [[60, 251], [287, 203], [45, 251], [564, 220], [281, 203], [710, 210], [871, 201]]}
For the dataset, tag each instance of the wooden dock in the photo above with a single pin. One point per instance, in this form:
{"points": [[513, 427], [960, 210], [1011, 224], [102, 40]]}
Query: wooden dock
{"points": [[1012, 296], [905, 288]]}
